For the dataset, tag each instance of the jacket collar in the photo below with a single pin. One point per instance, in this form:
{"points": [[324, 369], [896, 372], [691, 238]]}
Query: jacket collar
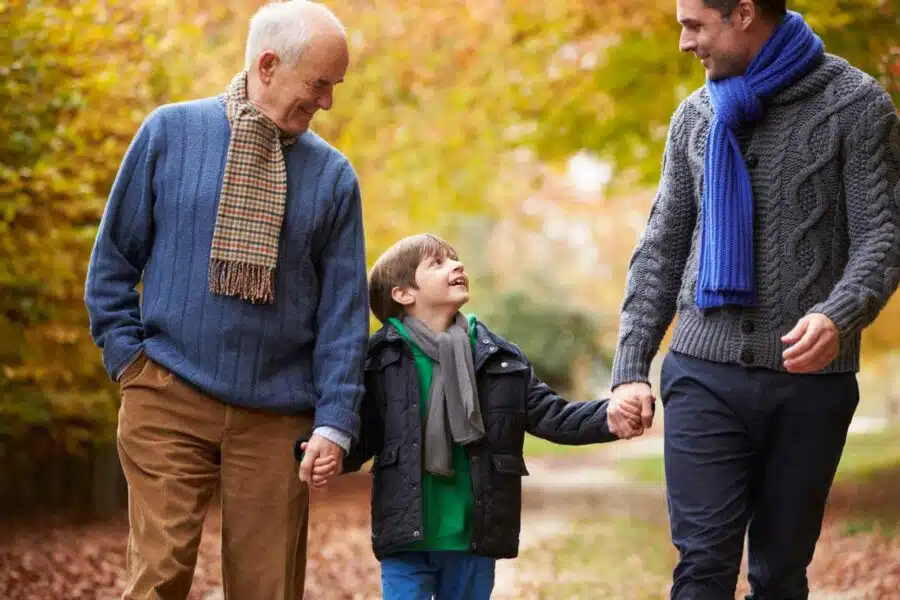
{"points": [[487, 343]]}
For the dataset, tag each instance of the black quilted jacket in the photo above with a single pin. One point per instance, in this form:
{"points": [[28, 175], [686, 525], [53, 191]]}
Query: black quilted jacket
{"points": [[513, 401]]}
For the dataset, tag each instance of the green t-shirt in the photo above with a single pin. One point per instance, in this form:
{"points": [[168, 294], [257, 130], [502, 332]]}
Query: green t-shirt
{"points": [[447, 502]]}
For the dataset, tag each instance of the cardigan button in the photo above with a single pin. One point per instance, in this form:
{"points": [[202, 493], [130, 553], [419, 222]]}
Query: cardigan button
{"points": [[747, 356], [752, 161], [747, 326]]}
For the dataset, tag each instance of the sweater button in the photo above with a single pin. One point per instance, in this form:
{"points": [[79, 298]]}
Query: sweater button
{"points": [[752, 161], [747, 326], [747, 356]]}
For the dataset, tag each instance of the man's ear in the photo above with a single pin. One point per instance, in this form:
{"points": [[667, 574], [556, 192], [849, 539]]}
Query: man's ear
{"points": [[402, 295], [265, 66], [747, 14]]}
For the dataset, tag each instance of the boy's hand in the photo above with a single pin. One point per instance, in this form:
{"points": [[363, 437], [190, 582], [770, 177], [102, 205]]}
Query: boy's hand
{"points": [[322, 459], [631, 409], [323, 469]]}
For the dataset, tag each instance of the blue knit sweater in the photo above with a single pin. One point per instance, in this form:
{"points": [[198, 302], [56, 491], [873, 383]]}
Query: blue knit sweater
{"points": [[303, 352]]}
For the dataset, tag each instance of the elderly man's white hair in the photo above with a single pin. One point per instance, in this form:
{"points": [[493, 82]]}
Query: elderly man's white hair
{"points": [[286, 28]]}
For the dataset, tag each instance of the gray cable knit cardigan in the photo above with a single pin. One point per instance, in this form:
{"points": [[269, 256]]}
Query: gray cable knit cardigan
{"points": [[824, 162]]}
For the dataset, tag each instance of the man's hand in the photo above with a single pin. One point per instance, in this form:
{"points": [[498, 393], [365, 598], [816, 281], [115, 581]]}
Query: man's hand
{"points": [[323, 469], [322, 459], [812, 344], [630, 410]]}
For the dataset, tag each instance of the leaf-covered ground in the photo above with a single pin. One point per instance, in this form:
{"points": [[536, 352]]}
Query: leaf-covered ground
{"points": [[859, 551], [50, 561]]}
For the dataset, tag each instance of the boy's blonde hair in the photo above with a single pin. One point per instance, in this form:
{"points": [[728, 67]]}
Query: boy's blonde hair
{"points": [[397, 268]]}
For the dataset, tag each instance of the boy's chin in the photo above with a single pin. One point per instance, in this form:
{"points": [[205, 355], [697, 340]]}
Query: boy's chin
{"points": [[456, 303], [462, 300]]}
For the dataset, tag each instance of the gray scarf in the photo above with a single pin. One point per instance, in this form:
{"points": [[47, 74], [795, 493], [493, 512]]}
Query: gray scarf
{"points": [[453, 410]]}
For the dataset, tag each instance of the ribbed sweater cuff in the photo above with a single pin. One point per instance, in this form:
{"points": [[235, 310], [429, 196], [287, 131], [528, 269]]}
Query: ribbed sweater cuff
{"points": [[632, 364], [334, 415], [844, 310], [118, 352]]}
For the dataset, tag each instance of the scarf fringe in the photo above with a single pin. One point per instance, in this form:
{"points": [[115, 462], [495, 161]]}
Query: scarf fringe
{"points": [[255, 283]]}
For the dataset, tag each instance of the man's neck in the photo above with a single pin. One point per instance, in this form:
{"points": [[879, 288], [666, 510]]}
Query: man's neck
{"points": [[763, 32], [255, 96]]}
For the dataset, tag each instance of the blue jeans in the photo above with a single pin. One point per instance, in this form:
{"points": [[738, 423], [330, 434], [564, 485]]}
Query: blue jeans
{"points": [[749, 451], [438, 575]]}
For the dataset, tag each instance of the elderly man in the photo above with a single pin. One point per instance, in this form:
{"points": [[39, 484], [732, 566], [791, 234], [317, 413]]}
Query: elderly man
{"points": [[245, 231], [774, 235]]}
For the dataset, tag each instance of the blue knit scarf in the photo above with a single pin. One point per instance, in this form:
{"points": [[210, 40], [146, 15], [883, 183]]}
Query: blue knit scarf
{"points": [[726, 243]]}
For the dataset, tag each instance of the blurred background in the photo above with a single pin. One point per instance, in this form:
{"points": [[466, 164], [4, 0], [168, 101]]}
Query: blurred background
{"points": [[529, 134]]}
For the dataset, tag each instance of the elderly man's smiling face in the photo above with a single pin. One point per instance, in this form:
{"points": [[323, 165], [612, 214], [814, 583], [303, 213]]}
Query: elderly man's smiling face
{"points": [[296, 54], [292, 94]]}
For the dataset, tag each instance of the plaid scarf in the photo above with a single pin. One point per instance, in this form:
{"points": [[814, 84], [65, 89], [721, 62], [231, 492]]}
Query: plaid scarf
{"points": [[244, 250]]}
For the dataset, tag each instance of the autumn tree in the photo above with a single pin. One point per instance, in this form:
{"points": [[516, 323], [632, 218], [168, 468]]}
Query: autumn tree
{"points": [[77, 79], [449, 111]]}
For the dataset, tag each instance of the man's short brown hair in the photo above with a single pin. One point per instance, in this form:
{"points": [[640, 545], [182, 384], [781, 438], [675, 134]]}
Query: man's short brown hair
{"points": [[397, 268], [773, 10]]}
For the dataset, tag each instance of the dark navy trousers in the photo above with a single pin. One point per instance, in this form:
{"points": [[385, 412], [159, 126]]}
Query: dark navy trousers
{"points": [[749, 451]]}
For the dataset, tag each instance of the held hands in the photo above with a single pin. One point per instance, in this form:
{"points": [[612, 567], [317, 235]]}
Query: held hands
{"points": [[630, 410], [812, 344], [322, 459]]}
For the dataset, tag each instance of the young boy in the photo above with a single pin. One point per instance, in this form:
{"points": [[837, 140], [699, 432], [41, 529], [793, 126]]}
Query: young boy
{"points": [[447, 407]]}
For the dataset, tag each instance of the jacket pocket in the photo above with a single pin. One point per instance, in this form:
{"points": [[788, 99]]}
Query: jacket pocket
{"points": [[386, 457], [390, 490], [509, 464], [134, 370]]}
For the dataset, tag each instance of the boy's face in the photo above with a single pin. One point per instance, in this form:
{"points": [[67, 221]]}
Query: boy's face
{"points": [[442, 286]]}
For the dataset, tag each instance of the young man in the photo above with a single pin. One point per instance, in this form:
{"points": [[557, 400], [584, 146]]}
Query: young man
{"points": [[774, 236], [447, 407]]}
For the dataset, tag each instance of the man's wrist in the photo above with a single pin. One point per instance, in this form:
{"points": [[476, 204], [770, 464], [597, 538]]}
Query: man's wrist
{"points": [[334, 435]]}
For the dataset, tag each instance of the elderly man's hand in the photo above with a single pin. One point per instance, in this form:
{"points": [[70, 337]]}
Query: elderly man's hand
{"points": [[630, 410], [322, 459], [813, 344]]}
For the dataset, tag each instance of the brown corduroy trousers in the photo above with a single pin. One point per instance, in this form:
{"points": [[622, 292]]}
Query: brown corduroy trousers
{"points": [[177, 446]]}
